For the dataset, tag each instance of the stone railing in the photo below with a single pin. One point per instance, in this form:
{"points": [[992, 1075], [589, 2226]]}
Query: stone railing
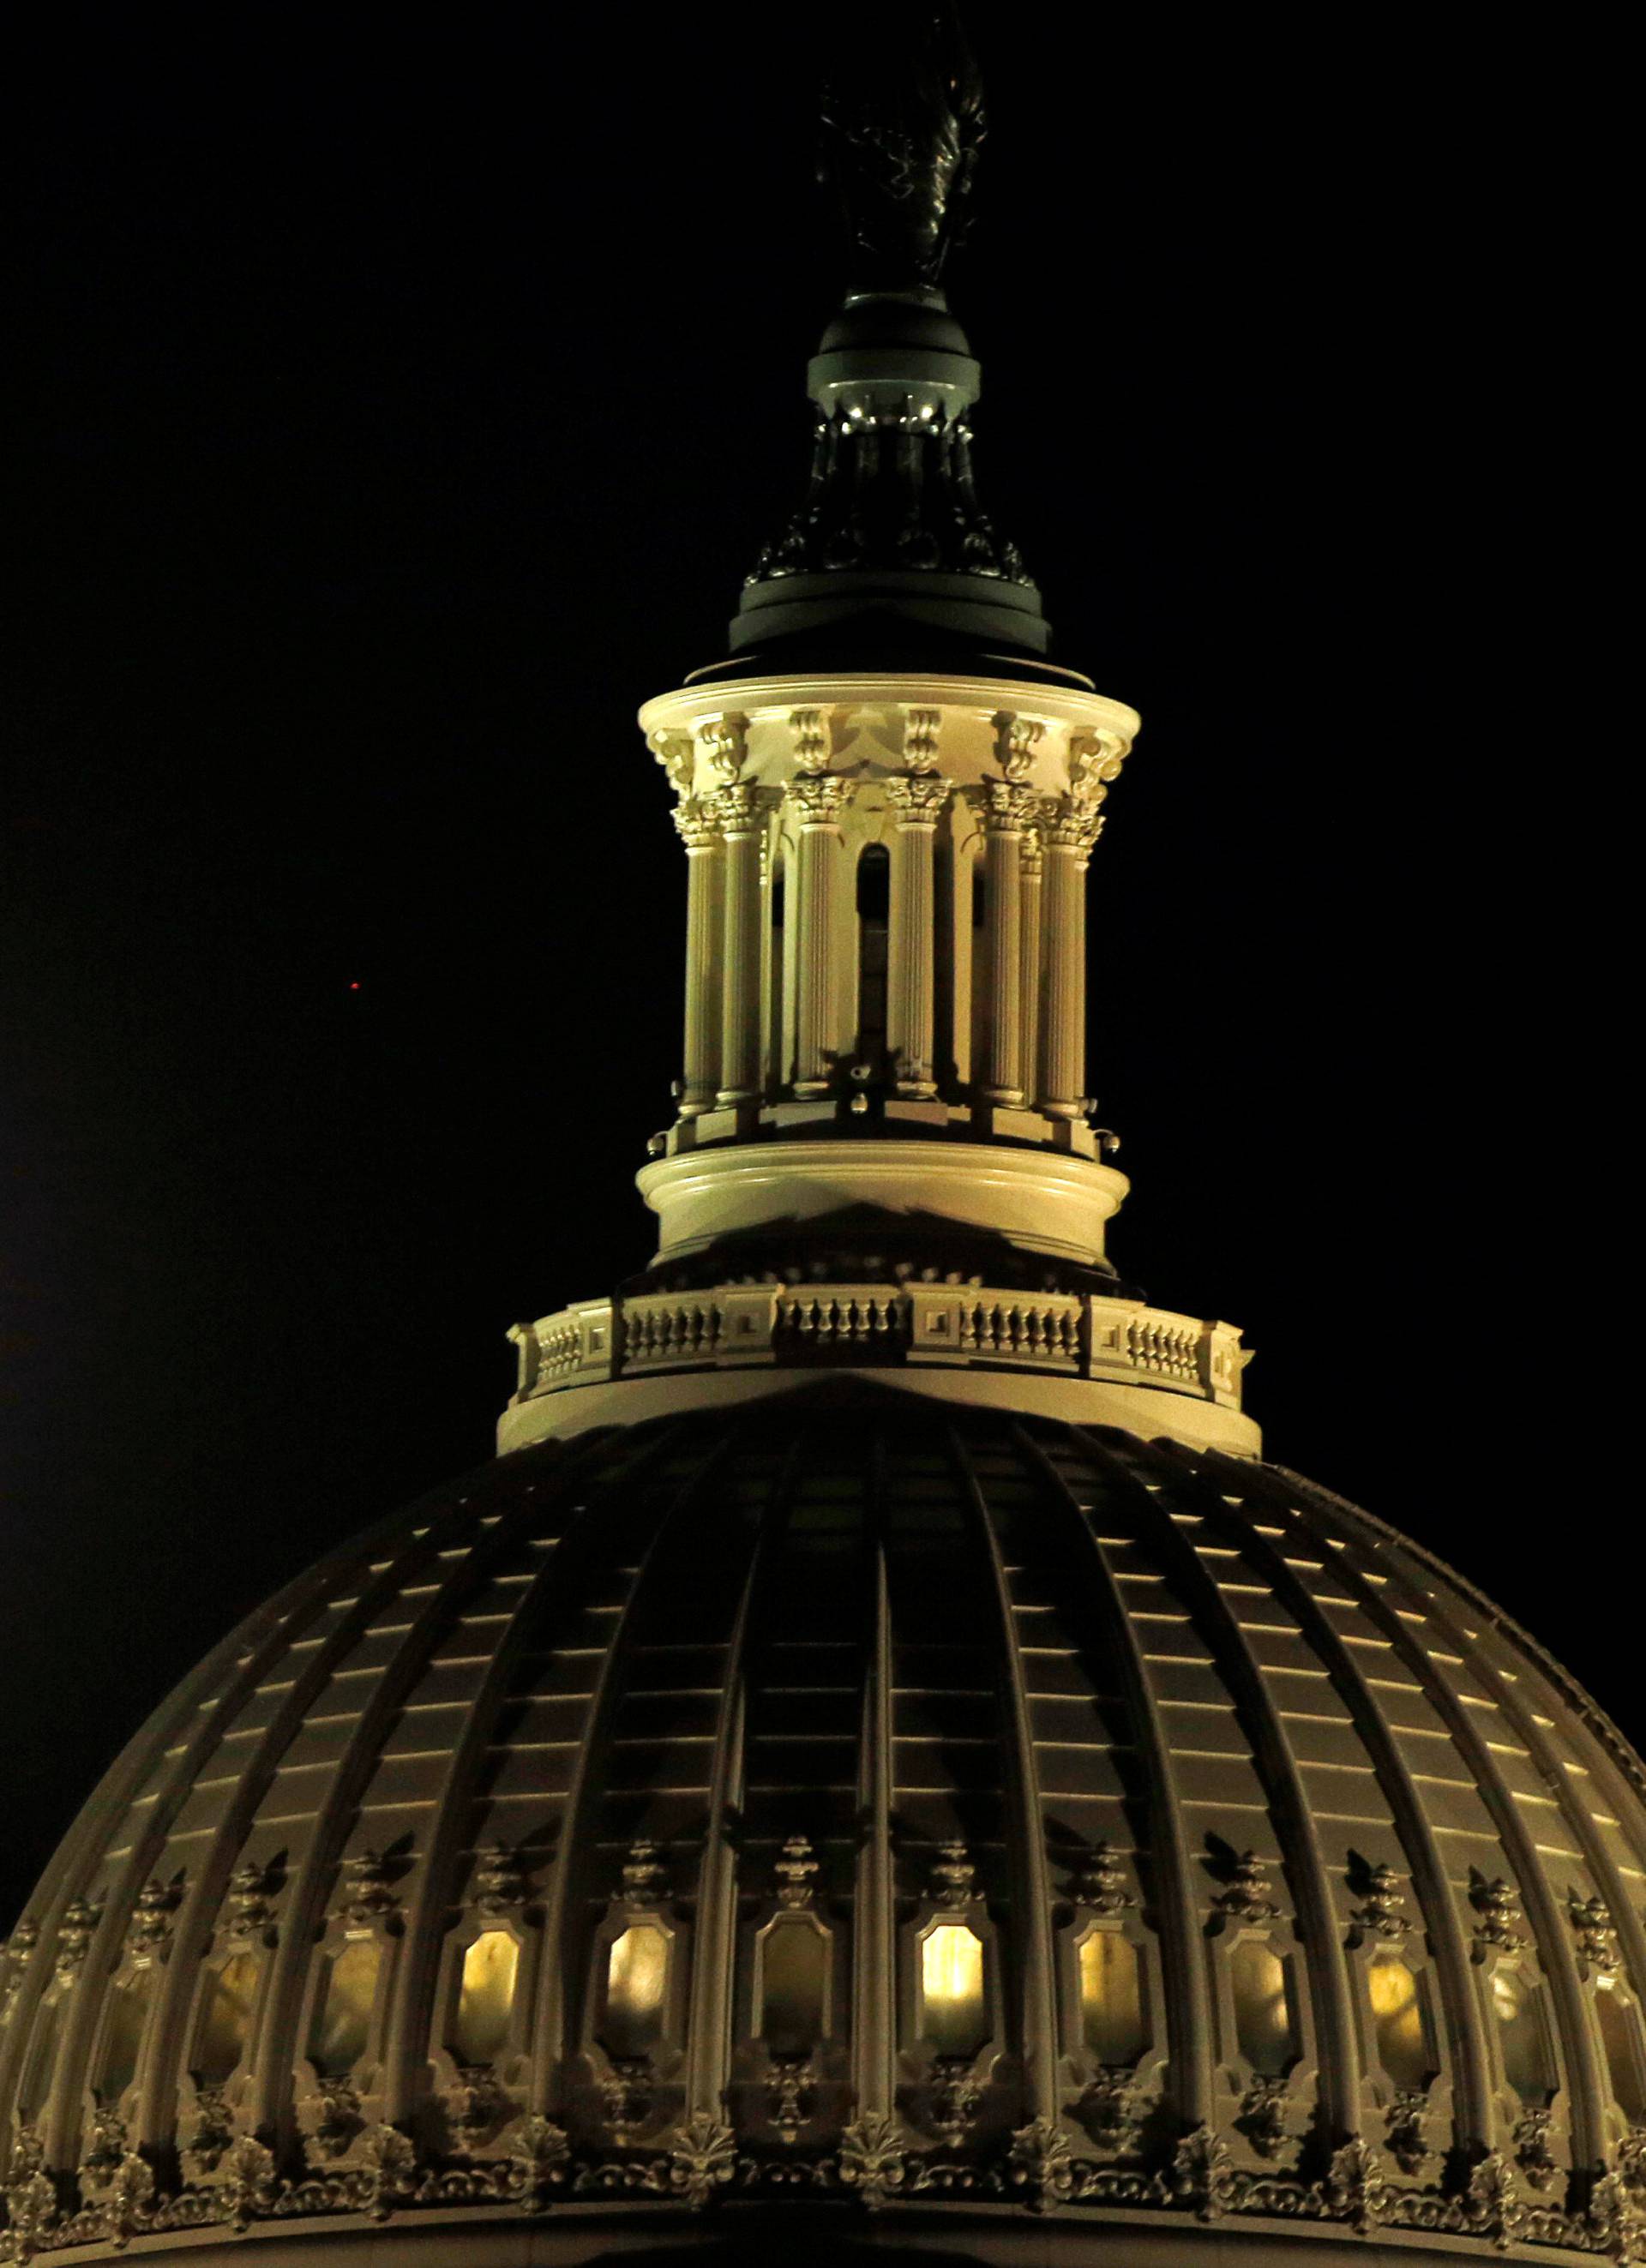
{"points": [[734, 1325]]}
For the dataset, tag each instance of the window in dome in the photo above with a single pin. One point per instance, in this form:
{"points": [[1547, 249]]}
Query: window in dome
{"points": [[225, 2017], [793, 1985], [342, 2012], [953, 2014], [1265, 2023], [123, 2025], [873, 900], [637, 1991], [1522, 2036], [1400, 2007], [485, 1997], [1111, 1996], [42, 2055], [1620, 2036]]}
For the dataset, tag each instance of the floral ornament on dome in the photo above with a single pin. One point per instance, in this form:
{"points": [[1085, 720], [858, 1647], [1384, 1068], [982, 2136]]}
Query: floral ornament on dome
{"points": [[795, 1870], [1246, 1897], [953, 1878], [251, 1900], [1099, 1882], [873, 2159], [1498, 1906], [152, 1924], [75, 1933], [703, 2160], [1042, 2164], [501, 1881], [367, 1897], [1379, 1913], [1597, 1933], [539, 2156], [1356, 2186], [644, 1882]]}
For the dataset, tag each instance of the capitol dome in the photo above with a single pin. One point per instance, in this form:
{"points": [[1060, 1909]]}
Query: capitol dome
{"points": [[880, 1766], [862, 1798]]}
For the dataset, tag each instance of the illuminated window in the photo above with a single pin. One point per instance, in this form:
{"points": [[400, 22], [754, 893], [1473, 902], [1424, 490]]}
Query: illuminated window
{"points": [[225, 2018], [1399, 2015], [1264, 2022], [793, 1985], [953, 2016], [1522, 2037], [1111, 1998], [636, 1990], [1620, 2036], [485, 1999], [342, 2014], [122, 2034]]}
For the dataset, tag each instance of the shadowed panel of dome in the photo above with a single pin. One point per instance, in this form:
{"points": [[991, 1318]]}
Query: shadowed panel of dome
{"points": [[916, 1804]]}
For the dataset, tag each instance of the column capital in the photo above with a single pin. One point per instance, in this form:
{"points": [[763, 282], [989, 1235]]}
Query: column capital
{"points": [[1004, 807], [1016, 739], [697, 821], [1072, 826], [820, 796], [918, 797], [740, 810], [724, 740]]}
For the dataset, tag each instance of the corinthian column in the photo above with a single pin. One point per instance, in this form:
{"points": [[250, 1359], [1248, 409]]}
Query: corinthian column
{"points": [[699, 832], [1032, 863], [817, 799], [915, 799], [741, 814], [1070, 834], [1008, 810]]}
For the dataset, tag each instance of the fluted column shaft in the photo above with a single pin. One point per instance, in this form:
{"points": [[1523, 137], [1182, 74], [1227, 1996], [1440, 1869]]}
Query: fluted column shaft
{"points": [[740, 817], [700, 832], [1033, 863], [817, 799], [916, 801], [1069, 836], [1007, 811]]}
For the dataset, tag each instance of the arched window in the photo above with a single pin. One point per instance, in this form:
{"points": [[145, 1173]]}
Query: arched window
{"points": [[1624, 2051], [485, 1997], [1265, 2022], [1400, 2023], [343, 2006], [124, 2021], [1110, 1996], [1523, 2036], [778, 974]]}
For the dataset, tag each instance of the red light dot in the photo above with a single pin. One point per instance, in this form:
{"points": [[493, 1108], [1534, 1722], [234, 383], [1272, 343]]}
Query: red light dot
{"points": [[355, 985]]}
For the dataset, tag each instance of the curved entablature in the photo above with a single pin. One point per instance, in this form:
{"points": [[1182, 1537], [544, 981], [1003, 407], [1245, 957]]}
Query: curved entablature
{"points": [[847, 1797], [886, 927]]}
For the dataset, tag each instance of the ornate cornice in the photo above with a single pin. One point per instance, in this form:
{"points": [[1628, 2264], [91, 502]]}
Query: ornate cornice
{"points": [[1016, 739]]}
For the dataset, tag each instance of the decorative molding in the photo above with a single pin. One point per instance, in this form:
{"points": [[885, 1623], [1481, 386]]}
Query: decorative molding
{"points": [[1597, 1935], [251, 1903], [1070, 826], [1498, 1904], [698, 821], [724, 740], [1005, 808], [811, 741], [150, 1933], [1016, 739], [502, 1882], [674, 751], [918, 797], [1094, 763], [1245, 1898], [366, 1894], [819, 797], [921, 730], [1099, 1882], [645, 1880], [795, 1869], [75, 1933], [952, 1885]]}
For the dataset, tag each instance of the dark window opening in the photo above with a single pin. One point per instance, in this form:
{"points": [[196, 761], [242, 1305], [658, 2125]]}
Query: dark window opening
{"points": [[874, 915]]}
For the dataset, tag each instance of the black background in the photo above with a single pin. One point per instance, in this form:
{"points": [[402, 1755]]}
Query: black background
{"points": [[404, 403]]}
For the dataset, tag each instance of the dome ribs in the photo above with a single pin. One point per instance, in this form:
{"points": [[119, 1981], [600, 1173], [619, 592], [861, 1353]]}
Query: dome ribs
{"points": [[1465, 2053], [1391, 1547], [709, 2039], [302, 1918], [1037, 2013], [244, 1658], [875, 1916], [571, 1890], [555, 1590], [1252, 1688], [1578, 2055], [1187, 2001]]}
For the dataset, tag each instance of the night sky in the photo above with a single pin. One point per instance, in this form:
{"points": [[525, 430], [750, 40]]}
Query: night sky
{"points": [[403, 405]]}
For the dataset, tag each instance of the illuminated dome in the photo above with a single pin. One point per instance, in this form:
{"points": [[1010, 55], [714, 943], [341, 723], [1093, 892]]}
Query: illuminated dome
{"points": [[852, 1800], [879, 1765]]}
